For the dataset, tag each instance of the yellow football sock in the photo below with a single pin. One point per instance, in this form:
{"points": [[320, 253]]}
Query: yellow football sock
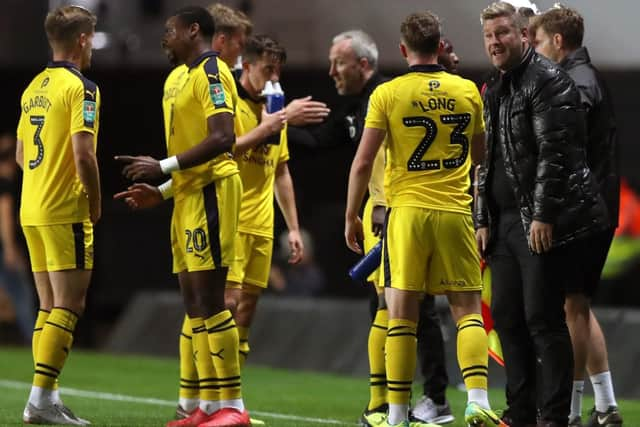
{"points": [[54, 346], [472, 351], [401, 347], [224, 342], [243, 344], [188, 373], [37, 330], [208, 381], [377, 373]]}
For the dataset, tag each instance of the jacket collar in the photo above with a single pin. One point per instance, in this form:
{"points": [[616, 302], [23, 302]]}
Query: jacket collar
{"points": [[519, 69], [579, 56], [375, 79]]}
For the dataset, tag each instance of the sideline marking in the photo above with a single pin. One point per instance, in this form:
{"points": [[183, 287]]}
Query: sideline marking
{"points": [[20, 385]]}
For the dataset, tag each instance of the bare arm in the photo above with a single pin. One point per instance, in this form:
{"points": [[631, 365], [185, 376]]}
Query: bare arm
{"points": [[286, 199], [478, 149], [20, 154], [269, 125], [12, 258], [84, 155], [220, 140], [358, 179]]}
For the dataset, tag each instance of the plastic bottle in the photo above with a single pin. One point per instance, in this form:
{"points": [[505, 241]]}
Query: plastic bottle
{"points": [[275, 96], [367, 264], [274, 102]]}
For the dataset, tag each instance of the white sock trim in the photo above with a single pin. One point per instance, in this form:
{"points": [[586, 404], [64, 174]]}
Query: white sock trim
{"points": [[397, 413], [479, 396], [577, 392], [209, 406], [41, 397], [603, 391], [188, 404], [232, 403]]}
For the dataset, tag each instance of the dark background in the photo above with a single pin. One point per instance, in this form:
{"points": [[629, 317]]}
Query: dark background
{"points": [[132, 250]]}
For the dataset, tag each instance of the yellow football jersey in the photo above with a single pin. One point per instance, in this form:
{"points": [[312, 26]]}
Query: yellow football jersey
{"points": [[174, 82], [257, 170], [208, 89], [58, 103], [430, 117]]}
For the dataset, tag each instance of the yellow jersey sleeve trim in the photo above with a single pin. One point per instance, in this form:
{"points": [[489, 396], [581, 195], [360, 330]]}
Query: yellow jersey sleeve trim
{"points": [[376, 117]]}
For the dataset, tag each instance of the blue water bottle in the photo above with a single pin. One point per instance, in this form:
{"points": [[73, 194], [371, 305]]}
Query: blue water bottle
{"points": [[274, 102], [274, 96], [367, 264]]}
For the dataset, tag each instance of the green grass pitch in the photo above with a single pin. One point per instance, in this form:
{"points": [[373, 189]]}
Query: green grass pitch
{"points": [[115, 390]]}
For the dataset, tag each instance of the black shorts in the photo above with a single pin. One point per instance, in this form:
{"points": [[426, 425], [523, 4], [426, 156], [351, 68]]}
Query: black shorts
{"points": [[585, 262]]}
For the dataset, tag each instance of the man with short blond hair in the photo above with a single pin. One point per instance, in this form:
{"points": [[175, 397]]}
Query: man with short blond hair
{"points": [[536, 202], [61, 200], [433, 124]]}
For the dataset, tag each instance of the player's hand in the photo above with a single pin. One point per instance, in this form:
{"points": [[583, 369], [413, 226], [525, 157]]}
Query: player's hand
{"points": [[353, 234], [95, 212], [140, 196], [304, 111], [482, 240], [274, 122], [377, 220], [540, 236], [296, 247], [140, 167]]}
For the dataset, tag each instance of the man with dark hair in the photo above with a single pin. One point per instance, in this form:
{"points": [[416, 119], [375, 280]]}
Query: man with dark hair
{"points": [[536, 202], [434, 121], [558, 34], [262, 161], [61, 200], [207, 191]]}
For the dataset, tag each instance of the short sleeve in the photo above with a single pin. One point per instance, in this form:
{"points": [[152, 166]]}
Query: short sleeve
{"points": [[376, 110], [214, 87], [284, 146], [84, 100]]}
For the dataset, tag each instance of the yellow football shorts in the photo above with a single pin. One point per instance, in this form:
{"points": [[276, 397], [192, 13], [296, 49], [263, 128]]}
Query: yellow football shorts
{"points": [[60, 246], [252, 261], [204, 224], [430, 250], [370, 241]]}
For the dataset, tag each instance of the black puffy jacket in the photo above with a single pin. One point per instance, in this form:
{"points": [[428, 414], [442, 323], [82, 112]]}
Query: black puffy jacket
{"points": [[533, 111], [602, 155]]}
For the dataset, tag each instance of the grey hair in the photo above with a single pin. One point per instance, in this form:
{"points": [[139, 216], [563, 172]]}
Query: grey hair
{"points": [[502, 8], [362, 44]]}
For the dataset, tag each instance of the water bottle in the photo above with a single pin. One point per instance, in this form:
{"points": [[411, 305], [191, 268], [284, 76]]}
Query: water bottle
{"points": [[367, 264], [274, 102], [274, 95]]}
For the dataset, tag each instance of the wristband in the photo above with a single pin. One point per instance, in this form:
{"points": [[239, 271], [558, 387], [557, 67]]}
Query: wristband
{"points": [[170, 164], [166, 189]]}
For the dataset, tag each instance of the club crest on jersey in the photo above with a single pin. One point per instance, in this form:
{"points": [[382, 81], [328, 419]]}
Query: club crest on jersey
{"points": [[89, 112], [434, 84], [217, 94]]}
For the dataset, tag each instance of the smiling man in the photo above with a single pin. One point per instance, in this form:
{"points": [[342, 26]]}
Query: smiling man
{"points": [[537, 201]]}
